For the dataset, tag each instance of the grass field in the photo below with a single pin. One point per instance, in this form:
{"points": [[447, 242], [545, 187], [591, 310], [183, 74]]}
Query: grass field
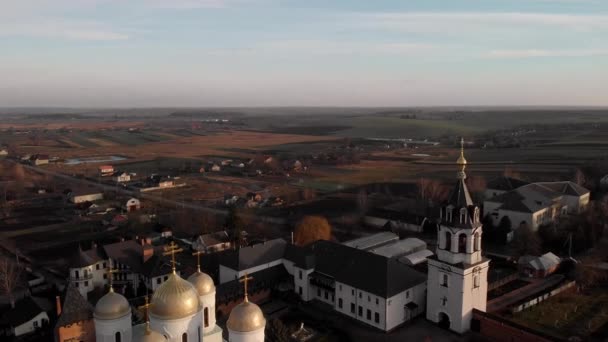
{"points": [[568, 314]]}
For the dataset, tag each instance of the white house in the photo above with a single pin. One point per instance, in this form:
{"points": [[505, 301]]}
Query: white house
{"points": [[379, 291], [106, 170], [537, 204], [26, 317], [500, 185], [212, 242], [88, 270], [85, 196], [121, 177], [133, 204]]}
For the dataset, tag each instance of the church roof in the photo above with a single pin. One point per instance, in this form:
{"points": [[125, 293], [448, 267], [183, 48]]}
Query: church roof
{"points": [[384, 277], [81, 259], [75, 308], [505, 183], [460, 197]]}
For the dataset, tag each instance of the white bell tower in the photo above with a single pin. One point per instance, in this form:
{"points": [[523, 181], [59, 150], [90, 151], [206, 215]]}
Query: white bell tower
{"points": [[458, 275]]}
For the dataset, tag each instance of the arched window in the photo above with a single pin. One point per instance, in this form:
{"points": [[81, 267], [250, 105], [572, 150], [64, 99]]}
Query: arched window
{"points": [[447, 243], [463, 215], [206, 317], [117, 337], [462, 243], [476, 242], [76, 274], [448, 214], [185, 337]]}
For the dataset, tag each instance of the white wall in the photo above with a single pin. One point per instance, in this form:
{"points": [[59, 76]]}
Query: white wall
{"points": [[175, 328], [105, 329], [253, 336], [302, 283], [28, 326], [228, 274]]}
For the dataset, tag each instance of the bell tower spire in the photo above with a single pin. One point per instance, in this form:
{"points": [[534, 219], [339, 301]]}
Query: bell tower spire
{"points": [[461, 162]]}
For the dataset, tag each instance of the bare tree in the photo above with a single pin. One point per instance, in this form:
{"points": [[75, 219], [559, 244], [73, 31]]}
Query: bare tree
{"points": [[10, 276], [579, 177]]}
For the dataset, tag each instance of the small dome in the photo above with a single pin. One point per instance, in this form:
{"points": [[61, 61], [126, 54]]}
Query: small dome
{"points": [[461, 160], [143, 333], [175, 298], [202, 282], [246, 317], [112, 306]]}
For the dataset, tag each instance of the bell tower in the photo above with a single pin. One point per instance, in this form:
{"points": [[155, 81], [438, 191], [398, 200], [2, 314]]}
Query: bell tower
{"points": [[457, 276]]}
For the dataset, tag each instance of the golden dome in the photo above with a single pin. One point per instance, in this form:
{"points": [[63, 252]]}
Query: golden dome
{"points": [[246, 317], [143, 333], [461, 160], [202, 282], [175, 298], [112, 306]]}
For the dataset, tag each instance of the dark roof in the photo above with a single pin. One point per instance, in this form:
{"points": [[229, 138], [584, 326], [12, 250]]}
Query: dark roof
{"points": [[128, 252], [156, 266], [505, 183], [215, 238], [255, 255], [302, 257], [81, 259], [363, 270], [460, 197], [75, 308], [24, 310], [512, 201], [566, 188], [263, 279]]}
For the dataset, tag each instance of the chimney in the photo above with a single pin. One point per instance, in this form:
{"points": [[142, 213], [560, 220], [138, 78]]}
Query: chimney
{"points": [[58, 304]]}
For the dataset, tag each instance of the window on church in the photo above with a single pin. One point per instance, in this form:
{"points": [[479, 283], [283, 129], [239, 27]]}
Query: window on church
{"points": [[377, 301], [448, 241], [477, 242], [463, 215], [184, 337], [300, 274], [476, 281], [444, 301], [300, 290], [448, 214], [444, 279], [462, 243], [206, 317], [407, 294], [117, 337]]}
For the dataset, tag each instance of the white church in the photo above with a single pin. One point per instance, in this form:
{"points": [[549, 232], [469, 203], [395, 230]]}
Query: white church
{"points": [[180, 311], [457, 279]]}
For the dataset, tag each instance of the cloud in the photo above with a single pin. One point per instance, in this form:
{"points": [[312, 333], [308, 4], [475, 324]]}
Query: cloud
{"points": [[474, 21], [534, 53], [61, 29]]}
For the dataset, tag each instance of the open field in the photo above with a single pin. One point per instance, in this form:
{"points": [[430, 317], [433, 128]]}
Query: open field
{"points": [[568, 314]]}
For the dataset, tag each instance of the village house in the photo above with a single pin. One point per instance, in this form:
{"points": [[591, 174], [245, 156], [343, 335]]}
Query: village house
{"points": [[133, 204], [212, 242], [106, 170], [121, 177], [537, 204], [25, 318], [39, 159], [3, 152], [81, 196], [251, 259], [500, 185], [538, 266], [88, 270], [215, 168]]}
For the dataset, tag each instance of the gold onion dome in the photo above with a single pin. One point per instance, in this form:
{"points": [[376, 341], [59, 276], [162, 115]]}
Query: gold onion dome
{"points": [[143, 333], [202, 282], [112, 306], [246, 317], [174, 299]]}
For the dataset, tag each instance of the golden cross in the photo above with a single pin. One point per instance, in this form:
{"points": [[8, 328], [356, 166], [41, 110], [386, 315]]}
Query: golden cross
{"points": [[172, 249], [145, 307], [109, 272], [245, 280], [198, 259]]}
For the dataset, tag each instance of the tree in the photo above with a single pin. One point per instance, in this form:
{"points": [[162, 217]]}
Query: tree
{"points": [[235, 225], [526, 241], [588, 274], [10, 277], [277, 331], [311, 229]]}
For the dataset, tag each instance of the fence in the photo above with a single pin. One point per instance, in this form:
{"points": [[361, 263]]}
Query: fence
{"points": [[539, 299]]}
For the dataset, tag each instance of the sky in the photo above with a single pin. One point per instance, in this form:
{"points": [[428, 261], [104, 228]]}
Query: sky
{"points": [[190, 53]]}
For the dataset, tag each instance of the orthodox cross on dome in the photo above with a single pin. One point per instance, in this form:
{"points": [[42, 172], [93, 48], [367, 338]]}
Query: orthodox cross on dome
{"points": [[109, 272], [198, 260], [245, 280], [146, 307], [462, 162], [172, 249]]}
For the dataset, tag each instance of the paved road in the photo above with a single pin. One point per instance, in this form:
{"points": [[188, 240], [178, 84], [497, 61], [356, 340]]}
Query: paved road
{"points": [[148, 196]]}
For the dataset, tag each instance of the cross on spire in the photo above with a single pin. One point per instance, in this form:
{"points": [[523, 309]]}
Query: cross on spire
{"points": [[172, 249], [146, 307], [109, 272], [462, 162], [245, 280], [198, 260]]}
